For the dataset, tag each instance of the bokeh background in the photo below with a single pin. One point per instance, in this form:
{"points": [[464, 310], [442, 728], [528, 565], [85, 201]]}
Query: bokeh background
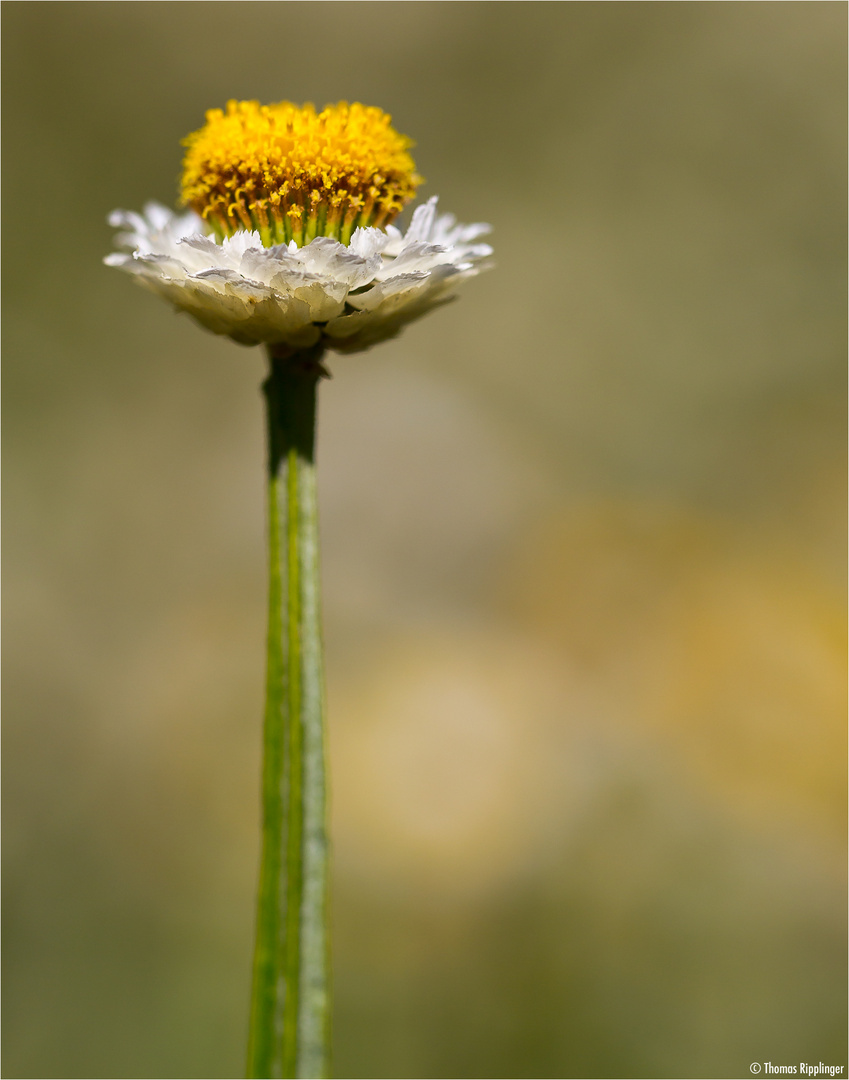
{"points": [[582, 536]]}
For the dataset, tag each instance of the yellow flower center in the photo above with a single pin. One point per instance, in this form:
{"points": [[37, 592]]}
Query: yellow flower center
{"points": [[294, 173]]}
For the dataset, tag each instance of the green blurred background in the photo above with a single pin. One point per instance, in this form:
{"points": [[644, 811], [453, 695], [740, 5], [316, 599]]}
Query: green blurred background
{"points": [[582, 536]]}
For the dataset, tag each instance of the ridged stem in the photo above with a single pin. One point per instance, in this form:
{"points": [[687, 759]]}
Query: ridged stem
{"points": [[289, 1025]]}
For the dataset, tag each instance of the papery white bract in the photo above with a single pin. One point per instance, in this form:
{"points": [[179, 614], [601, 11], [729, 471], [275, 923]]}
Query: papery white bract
{"points": [[346, 297]]}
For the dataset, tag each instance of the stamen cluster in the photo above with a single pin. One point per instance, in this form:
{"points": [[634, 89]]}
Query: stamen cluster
{"points": [[291, 173]]}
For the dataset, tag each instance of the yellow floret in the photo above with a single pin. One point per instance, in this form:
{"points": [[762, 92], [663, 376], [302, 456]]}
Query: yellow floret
{"points": [[290, 172]]}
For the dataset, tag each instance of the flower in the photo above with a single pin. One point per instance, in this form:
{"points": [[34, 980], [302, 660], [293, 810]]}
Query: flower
{"points": [[302, 251]]}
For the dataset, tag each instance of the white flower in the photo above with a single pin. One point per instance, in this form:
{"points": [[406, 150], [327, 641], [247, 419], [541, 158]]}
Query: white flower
{"points": [[346, 297]]}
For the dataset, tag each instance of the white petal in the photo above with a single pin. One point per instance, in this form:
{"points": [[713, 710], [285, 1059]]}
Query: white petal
{"points": [[199, 252], [235, 246], [323, 304], [332, 261], [415, 257], [161, 266], [377, 294], [445, 231], [421, 222], [230, 281], [158, 216], [369, 242]]}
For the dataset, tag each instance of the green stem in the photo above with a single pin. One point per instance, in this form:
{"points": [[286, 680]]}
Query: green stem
{"points": [[289, 1025]]}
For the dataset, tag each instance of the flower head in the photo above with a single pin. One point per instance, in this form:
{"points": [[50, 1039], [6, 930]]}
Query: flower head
{"points": [[288, 240], [292, 173]]}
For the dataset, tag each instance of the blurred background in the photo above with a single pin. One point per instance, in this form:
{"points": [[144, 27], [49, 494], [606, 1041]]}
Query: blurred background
{"points": [[582, 540]]}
